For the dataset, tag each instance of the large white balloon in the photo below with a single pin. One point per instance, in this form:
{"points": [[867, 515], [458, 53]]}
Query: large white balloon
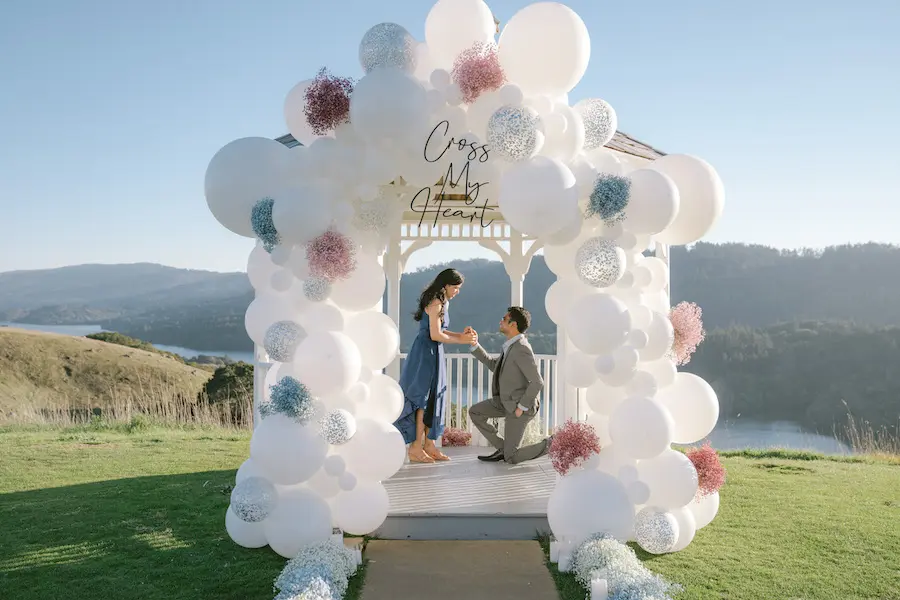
{"points": [[453, 26], [687, 527], [303, 213], [545, 49], [241, 174], [260, 269], [693, 405], [701, 198], [653, 203], [587, 502], [580, 369], [300, 519], [376, 336], [598, 323], [286, 452], [363, 288], [661, 336], [362, 510], [295, 113], [705, 509], [327, 362], [389, 104], [604, 399], [322, 316], [375, 452], [383, 402], [564, 144], [242, 533], [561, 295], [247, 469], [263, 311], [641, 428], [537, 196], [671, 477]]}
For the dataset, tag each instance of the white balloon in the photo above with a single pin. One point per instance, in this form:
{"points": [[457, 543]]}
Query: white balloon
{"points": [[480, 112], [694, 407], [701, 198], [598, 323], [260, 268], [580, 369], [384, 400], [262, 312], [327, 362], [661, 336], [347, 482], [440, 79], [545, 48], [638, 339], [659, 274], [511, 95], [388, 104], [641, 317], [653, 202], [334, 465], [687, 527], [453, 26], [658, 302], [322, 316], [286, 452], [624, 365], [603, 399], [363, 289], [671, 477], [656, 531], [537, 196], [606, 161], [376, 452], [300, 519], [600, 423], [565, 144], [242, 173], [587, 502], [638, 492], [611, 461], [295, 115], [303, 213], [282, 280], [242, 533], [642, 384], [362, 510], [323, 484], [377, 337], [247, 469], [562, 295], [641, 428], [705, 509], [664, 371]]}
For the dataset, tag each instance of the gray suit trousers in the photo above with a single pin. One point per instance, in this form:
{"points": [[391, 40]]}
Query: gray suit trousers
{"points": [[514, 430]]}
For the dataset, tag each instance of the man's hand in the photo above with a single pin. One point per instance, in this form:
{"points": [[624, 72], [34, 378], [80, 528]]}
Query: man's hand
{"points": [[519, 412], [470, 335]]}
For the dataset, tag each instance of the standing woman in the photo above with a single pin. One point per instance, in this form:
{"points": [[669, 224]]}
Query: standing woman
{"points": [[424, 375]]}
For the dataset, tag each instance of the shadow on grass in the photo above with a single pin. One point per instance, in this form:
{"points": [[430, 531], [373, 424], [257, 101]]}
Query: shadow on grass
{"points": [[148, 538]]}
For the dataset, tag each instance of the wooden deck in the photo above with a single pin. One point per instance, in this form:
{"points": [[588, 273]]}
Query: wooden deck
{"points": [[467, 499]]}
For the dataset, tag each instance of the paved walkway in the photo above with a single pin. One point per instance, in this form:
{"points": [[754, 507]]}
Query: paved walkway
{"points": [[457, 570]]}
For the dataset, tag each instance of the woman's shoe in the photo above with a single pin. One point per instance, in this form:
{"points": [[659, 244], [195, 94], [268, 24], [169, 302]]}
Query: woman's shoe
{"points": [[419, 456], [436, 454]]}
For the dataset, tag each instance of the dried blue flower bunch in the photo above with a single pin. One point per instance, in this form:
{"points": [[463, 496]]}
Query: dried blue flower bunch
{"points": [[263, 226], [609, 198]]}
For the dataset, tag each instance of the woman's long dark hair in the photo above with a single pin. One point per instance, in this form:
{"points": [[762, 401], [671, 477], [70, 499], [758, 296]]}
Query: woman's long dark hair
{"points": [[435, 290]]}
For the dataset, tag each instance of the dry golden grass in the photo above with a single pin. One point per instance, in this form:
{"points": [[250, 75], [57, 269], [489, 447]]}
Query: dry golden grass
{"points": [[61, 380]]}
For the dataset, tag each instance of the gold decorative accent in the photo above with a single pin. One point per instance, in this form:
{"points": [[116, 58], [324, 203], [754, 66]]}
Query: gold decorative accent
{"points": [[497, 23]]}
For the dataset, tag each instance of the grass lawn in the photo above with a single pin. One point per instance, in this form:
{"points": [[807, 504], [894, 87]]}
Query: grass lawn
{"points": [[116, 516], [804, 527]]}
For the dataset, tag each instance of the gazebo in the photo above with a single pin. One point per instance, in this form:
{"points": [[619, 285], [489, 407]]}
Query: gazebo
{"points": [[466, 376]]}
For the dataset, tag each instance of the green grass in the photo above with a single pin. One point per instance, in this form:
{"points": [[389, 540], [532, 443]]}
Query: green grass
{"points": [[791, 525], [100, 513]]}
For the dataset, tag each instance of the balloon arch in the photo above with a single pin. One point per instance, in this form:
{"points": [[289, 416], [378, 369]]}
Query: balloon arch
{"points": [[489, 121]]}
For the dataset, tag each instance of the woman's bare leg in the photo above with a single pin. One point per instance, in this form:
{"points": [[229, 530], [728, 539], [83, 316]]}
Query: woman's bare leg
{"points": [[432, 450], [416, 453]]}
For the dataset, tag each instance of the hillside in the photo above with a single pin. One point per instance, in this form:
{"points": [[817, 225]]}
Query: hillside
{"points": [[47, 370]]}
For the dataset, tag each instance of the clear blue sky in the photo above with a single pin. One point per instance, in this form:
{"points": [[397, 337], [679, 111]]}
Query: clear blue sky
{"points": [[111, 109]]}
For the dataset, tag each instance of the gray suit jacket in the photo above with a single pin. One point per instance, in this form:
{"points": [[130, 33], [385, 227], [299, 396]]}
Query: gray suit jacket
{"points": [[519, 380]]}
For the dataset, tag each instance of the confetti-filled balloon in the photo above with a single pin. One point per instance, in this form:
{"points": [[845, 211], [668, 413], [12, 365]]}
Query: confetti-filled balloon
{"points": [[655, 531], [599, 262], [600, 122], [282, 339], [317, 289], [337, 427], [514, 132], [253, 499], [388, 45]]}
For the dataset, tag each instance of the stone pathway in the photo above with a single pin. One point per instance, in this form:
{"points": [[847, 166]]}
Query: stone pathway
{"points": [[457, 570]]}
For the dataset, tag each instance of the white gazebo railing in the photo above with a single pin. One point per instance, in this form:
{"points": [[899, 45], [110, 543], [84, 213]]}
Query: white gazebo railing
{"points": [[469, 382]]}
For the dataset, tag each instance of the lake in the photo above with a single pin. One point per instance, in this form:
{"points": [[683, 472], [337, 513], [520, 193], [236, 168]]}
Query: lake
{"points": [[736, 434]]}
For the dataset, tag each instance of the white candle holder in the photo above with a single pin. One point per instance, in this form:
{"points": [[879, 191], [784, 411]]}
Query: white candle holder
{"points": [[554, 552], [599, 589], [565, 560]]}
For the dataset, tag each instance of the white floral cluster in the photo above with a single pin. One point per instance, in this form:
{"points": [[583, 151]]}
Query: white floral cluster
{"points": [[318, 572], [603, 557]]}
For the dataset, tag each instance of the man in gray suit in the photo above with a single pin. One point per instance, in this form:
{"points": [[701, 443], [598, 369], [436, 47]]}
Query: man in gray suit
{"points": [[514, 391]]}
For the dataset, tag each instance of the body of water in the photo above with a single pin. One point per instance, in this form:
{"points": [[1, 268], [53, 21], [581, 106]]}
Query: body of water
{"points": [[83, 330]]}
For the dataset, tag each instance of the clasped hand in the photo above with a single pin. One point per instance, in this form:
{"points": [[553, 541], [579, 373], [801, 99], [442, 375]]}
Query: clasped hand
{"points": [[470, 336]]}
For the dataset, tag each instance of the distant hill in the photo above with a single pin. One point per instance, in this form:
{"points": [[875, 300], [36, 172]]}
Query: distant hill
{"points": [[42, 370]]}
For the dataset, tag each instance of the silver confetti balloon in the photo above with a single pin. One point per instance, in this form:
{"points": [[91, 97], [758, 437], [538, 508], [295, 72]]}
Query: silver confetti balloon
{"points": [[253, 499], [388, 45], [317, 289], [655, 530], [514, 132], [282, 339], [337, 427], [599, 262], [600, 122]]}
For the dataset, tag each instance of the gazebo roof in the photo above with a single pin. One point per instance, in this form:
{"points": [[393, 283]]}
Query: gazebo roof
{"points": [[621, 142]]}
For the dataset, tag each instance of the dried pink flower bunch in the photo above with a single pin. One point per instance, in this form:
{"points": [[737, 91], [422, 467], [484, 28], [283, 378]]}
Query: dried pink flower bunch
{"points": [[572, 444], [327, 102], [710, 472], [331, 256], [454, 436], [689, 333], [477, 70]]}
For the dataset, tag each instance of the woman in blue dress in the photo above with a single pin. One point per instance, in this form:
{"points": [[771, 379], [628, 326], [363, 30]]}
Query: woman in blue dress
{"points": [[424, 376]]}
